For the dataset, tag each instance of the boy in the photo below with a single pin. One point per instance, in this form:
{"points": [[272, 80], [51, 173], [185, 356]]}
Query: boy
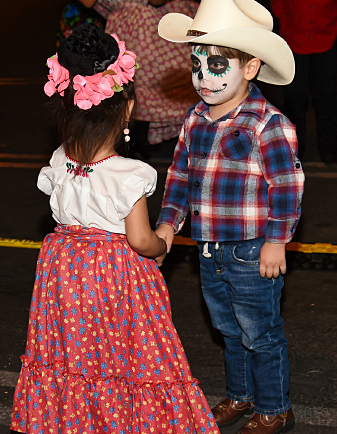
{"points": [[235, 168]]}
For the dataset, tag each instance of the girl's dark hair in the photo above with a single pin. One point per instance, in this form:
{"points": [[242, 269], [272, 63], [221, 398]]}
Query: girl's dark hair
{"points": [[84, 132], [87, 51]]}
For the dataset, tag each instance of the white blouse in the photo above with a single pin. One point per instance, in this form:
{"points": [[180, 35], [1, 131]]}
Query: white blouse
{"points": [[101, 195]]}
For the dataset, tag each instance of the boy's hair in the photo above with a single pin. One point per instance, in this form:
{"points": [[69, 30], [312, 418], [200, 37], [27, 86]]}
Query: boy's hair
{"points": [[84, 132], [229, 53]]}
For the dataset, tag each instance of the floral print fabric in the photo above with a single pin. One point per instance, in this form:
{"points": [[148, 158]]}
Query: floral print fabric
{"points": [[102, 353], [163, 81]]}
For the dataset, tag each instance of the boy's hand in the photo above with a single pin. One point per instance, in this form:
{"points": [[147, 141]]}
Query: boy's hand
{"points": [[272, 260], [166, 232]]}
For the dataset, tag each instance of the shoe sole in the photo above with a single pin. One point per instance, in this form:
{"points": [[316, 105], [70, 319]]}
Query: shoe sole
{"points": [[287, 427], [248, 413]]}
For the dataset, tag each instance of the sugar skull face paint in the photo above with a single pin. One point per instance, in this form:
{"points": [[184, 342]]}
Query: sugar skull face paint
{"points": [[216, 65], [215, 78]]}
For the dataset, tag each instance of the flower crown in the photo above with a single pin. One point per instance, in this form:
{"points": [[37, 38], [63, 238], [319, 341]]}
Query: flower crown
{"points": [[92, 89]]}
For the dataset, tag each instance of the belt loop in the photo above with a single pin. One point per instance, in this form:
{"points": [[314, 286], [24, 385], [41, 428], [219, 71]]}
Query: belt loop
{"points": [[216, 246], [205, 252]]}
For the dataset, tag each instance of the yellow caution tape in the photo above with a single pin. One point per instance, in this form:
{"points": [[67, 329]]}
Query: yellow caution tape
{"points": [[312, 248], [290, 247], [25, 244], [183, 241]]}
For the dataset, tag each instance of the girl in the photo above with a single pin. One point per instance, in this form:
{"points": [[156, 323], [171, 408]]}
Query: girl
{"points": [[102, 353]]}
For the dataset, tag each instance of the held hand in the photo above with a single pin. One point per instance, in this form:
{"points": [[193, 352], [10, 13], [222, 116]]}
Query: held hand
{"points": [[160, 259], [272, 260], [166, 232]]}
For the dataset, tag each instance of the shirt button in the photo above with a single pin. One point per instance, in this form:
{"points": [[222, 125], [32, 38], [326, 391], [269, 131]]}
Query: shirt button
{"points": [[212, 124], [237, 133], [298, 165], [204, 154], [196, 212], [197, 183]]}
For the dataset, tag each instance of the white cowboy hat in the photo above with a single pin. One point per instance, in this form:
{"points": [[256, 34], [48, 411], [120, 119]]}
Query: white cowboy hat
{"points": [[242, 24]]}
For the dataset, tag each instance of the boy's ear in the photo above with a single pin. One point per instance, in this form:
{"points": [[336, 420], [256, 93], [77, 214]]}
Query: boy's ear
{"points": [[252, 68]]}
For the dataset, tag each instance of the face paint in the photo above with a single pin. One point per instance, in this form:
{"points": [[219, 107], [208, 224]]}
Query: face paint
{"points": [[218, 65], [215, 78]]}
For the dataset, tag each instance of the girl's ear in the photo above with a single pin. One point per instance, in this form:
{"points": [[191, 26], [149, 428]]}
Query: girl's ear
{"points": [[252, 68]]}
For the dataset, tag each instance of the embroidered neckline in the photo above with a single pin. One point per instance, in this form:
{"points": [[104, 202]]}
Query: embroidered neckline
{"points": [[78, 170], [96, 162]]}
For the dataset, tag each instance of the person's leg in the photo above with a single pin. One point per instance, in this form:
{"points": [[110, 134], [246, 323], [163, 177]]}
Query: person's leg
{"points": [[218, 297], [296, 95], [256, 306], [323, 78]]}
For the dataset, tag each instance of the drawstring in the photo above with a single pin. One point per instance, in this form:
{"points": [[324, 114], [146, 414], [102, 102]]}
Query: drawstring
{"points": [[205, 252]]}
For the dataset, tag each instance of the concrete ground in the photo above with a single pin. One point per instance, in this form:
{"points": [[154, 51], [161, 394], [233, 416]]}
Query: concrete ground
{"points": [[309, 300]]}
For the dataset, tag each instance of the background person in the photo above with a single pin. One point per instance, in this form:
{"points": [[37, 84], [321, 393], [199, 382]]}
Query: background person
{"points": [[163, 87], [310, 29]]}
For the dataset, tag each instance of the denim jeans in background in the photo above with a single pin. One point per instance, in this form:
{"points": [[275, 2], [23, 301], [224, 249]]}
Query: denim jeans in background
{"points": [[246, 309]]}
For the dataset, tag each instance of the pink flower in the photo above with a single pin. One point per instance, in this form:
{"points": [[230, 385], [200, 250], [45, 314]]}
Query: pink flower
{"points": [[58, 77], [91, 90], [125, 64]]}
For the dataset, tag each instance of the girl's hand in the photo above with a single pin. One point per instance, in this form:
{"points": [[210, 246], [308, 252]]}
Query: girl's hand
{"points": [[160, 259], [272, 260]]}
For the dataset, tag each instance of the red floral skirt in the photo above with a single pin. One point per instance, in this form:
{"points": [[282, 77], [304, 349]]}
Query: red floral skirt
{"points": [[102, 353]]}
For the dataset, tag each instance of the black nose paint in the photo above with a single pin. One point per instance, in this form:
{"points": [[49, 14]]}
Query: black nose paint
{"points": [[200, 76]]}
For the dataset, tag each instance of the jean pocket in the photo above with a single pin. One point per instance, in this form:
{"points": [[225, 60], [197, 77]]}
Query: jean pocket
{"points": [[248, 252]]}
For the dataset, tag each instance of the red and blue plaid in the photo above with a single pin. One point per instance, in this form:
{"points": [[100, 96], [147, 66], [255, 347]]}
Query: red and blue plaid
{"points": [[239, 175]]}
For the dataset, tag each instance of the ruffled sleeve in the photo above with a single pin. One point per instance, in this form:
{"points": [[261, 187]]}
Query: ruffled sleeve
{"points": [[44, 182], [142, 180]]}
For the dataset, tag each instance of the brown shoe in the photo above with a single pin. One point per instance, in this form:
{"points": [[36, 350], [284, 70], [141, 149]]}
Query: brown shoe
{"points": [[269, 424], [229, 411]]}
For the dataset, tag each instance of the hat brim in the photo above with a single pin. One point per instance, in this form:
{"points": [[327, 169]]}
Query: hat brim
{"points": [[279, 65]]}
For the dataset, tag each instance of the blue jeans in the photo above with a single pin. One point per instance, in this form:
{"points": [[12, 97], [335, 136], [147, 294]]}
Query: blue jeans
{"points": [[246, 309]]}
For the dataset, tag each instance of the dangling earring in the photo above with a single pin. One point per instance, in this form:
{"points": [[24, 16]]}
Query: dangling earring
{"points": [[126, 132]]}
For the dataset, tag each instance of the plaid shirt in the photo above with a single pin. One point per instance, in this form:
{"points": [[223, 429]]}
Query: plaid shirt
{"points": [[239, 175]]}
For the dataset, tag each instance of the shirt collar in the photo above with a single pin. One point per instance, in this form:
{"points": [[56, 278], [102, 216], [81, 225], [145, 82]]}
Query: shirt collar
{"points": [[255, 103]]}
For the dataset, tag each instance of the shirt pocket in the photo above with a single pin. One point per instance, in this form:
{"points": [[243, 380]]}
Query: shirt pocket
{"points": [[236, 144]]}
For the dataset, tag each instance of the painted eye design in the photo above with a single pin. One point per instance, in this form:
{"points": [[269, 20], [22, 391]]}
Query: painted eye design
{"points": [[217, 65], [196, 65]]}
